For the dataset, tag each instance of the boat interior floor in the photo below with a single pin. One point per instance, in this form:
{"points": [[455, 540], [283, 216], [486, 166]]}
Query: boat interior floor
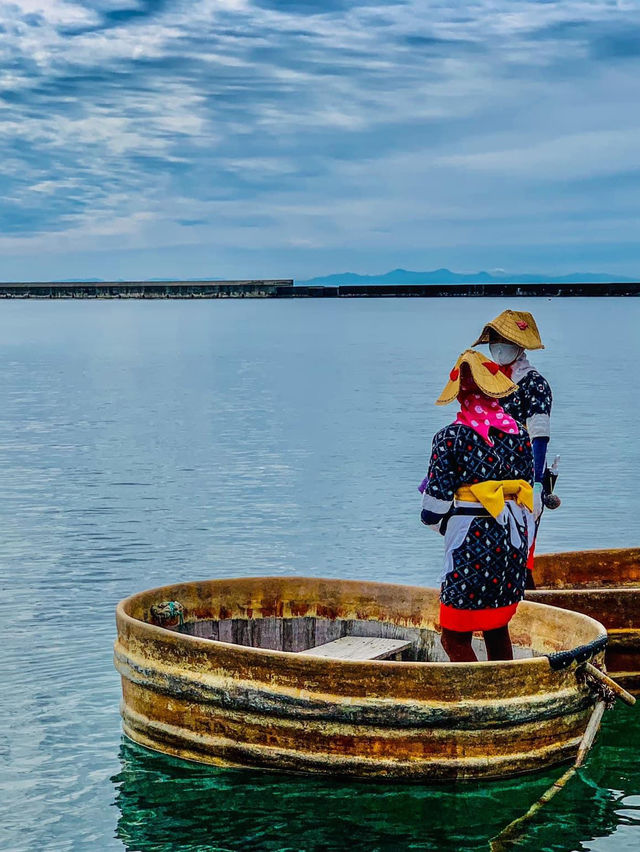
{"points": [[348, 639]]}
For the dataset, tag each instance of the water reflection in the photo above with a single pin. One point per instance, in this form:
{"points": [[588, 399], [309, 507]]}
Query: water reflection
{"points": [[144, 443], [165, 803]]}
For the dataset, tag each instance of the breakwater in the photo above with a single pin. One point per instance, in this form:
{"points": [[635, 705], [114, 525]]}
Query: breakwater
{"points": [[286, 289]]}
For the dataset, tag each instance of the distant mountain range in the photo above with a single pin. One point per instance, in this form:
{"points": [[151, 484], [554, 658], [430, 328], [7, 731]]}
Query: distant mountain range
{"points": [[407, 276], [446, 276]]}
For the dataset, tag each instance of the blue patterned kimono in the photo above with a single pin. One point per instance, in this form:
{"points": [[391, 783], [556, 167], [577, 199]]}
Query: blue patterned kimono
{"points": [[486, 558]]}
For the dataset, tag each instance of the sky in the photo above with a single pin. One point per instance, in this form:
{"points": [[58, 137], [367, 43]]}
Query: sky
{"points": [[293, 138]]}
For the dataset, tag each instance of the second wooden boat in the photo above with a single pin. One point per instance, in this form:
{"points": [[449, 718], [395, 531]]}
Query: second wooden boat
{"points": [[294, 674], [604, 584]]}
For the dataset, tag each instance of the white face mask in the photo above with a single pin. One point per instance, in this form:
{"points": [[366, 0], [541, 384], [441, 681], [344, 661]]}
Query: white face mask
{"points": [[504, 353]]}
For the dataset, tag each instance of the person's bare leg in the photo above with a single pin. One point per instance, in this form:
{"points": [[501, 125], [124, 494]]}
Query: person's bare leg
{"points": [[458, 646], [498, 643]]}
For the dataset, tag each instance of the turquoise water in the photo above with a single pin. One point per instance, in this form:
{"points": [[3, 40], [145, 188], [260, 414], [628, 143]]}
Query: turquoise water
{"points": [[146, 443]]}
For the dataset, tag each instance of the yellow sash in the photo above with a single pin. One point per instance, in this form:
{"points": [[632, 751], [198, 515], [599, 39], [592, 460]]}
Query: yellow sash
{"points": [[493, 493]]}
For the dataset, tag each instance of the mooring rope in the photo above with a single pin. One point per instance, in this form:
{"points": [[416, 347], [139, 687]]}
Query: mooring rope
{"points": [[563, 659]]}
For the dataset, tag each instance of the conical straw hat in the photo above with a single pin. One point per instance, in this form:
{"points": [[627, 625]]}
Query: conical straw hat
{"points": [[518, 327], [486, 374]]}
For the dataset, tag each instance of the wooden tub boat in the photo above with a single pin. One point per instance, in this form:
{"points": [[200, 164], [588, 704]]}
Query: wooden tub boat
{"points": [[604, 584], [216, 672]]}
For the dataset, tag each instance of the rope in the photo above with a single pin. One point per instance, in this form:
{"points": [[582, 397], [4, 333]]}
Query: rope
{"points": [[563, 659], [600, 690]]}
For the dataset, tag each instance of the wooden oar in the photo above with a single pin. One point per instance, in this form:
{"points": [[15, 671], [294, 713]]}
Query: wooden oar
{"points": [[516, 828]]}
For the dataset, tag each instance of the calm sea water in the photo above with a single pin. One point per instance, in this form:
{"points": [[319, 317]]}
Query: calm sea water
{"points": [[147, 443]]}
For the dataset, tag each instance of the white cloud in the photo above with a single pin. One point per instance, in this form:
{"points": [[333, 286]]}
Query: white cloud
{"points": [[379, 124], [57, 13], [574, 155]]}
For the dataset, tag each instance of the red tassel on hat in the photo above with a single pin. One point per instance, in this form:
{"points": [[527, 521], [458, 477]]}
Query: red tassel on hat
{"points": [[454, 374], [522, 325]]}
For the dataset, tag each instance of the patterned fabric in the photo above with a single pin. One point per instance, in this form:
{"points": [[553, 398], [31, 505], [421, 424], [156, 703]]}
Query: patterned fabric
{"points": [[460, 456], [488, 572], [481, 413], [486, 561], [532, 398]]}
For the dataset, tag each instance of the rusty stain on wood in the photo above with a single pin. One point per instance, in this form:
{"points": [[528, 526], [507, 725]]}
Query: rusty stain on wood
{"points": [[216, 701], [605, 585]]}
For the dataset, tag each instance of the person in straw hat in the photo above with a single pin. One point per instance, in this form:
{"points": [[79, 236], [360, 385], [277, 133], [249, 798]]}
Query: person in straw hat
{"points": [[509, 335], [478, 493]]}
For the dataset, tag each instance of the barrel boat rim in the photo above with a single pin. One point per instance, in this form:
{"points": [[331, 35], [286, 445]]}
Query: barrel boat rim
{"points": [[603, 583], [228, 703], [555, 571], [591, 550], [322, 663], [574, 590]]}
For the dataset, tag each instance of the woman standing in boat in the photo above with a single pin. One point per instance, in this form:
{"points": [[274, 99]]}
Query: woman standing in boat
{"points": [[509, 335], [478, 494]]}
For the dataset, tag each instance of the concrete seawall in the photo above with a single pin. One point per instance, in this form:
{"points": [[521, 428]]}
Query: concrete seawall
{"points": [[285, 289]]}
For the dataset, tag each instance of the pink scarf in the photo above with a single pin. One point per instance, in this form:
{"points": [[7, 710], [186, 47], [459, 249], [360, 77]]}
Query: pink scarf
{"points": [[480, 412]]}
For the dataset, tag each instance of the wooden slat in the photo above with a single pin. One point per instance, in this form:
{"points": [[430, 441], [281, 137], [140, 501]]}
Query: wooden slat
{"points": [[359, 648], [267, 633], [327, 630], [298, 633]]}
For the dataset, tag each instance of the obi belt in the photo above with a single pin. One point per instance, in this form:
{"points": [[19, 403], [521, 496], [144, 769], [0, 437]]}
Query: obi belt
{"points": [[508, 501]]}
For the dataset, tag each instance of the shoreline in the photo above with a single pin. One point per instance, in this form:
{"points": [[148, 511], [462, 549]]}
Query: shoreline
{"points": [[286, 289]]}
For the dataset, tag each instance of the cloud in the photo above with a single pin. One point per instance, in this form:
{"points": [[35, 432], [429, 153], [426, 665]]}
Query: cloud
{"points": [[574, 155], [314, 125]]}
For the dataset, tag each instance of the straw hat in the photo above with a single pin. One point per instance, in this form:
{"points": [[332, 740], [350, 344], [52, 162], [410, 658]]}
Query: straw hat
{"points": [[486, 374], [517, 327]]}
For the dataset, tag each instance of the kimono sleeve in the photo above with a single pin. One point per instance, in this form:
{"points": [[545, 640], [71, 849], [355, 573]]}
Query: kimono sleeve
{"points": [[437, 498], [539, 400]]}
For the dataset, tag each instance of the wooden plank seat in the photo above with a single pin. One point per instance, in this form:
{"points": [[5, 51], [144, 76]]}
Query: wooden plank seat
{"points": [[359, 648]]}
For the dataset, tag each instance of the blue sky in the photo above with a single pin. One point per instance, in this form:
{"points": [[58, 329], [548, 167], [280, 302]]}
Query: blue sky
{"points": [[292, 138]]}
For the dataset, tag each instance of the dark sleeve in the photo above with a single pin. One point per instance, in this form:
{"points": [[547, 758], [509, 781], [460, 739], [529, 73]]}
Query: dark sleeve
{"points": [[539, 396], [538, 399], [437, 499], [523, 466]]}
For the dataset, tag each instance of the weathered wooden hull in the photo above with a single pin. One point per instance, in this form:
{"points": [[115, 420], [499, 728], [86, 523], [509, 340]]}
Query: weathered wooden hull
{"points": [[605, 585], [231, 704]]}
